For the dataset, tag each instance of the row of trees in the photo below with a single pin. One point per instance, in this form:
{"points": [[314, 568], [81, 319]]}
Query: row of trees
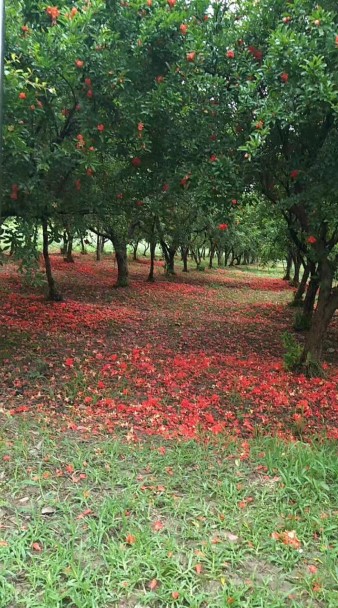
{"points": [[169, 121]]}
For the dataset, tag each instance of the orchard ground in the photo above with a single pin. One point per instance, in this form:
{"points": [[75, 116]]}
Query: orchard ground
{"points": [[154, 450]]}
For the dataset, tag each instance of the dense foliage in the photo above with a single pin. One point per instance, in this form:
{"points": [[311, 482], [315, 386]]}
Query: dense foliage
{"points": [[189, 125]]}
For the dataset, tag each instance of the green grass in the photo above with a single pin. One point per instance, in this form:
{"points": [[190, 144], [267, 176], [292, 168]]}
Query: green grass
{"points": [[198, 493]]}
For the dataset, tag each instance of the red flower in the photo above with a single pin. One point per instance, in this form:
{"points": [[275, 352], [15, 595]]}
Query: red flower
{"points": [[191, 56], [256, 53], [284, 77], [223, 226], [311, 240], [136, 161], [90, 93], [183, 29], [171, 3], [337, 41], [286, 19], [175, 595], [213, 158], [25, 29], [185, 179], [159, 79], [140, 126], [294, 174], [79, 63], [22, 95], [78, 184], [69, 362], [88, 82], [230, 54], [53, 12], [119, 196], [90, 172], [130, 539], [234, 201], [73, 13], [149, 3], [165, 187], [259, 124], [213, 137], [100, 128], [139, 203]]}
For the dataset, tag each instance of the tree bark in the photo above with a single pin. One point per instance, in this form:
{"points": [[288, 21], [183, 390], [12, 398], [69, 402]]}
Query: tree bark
{"points": [[297, 264], [83, 248], [169, 256], [310, 298], [211, 255], [298, 297], [98, 248], [151, 277], [135, 246], [220, 258], [63, 248], [69, 253], [326, 307], [287, 276], [53, 293], [185, 252], [120, 247]]}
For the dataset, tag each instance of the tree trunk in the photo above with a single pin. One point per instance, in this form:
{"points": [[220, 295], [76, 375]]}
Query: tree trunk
{"points": [[83, 248], [120, 247], [169, 256], [232, 261], [310, 298], [220, 258], [171, 261], [287, 276], [298, 297], [98, 248], [326, 307], [151, 277], [53, 293], [63, 248], [103, 240], [146, 247], [297, 264], [211, 255], [185, 252], [135, 247], [238, 260], [69, 257]]}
